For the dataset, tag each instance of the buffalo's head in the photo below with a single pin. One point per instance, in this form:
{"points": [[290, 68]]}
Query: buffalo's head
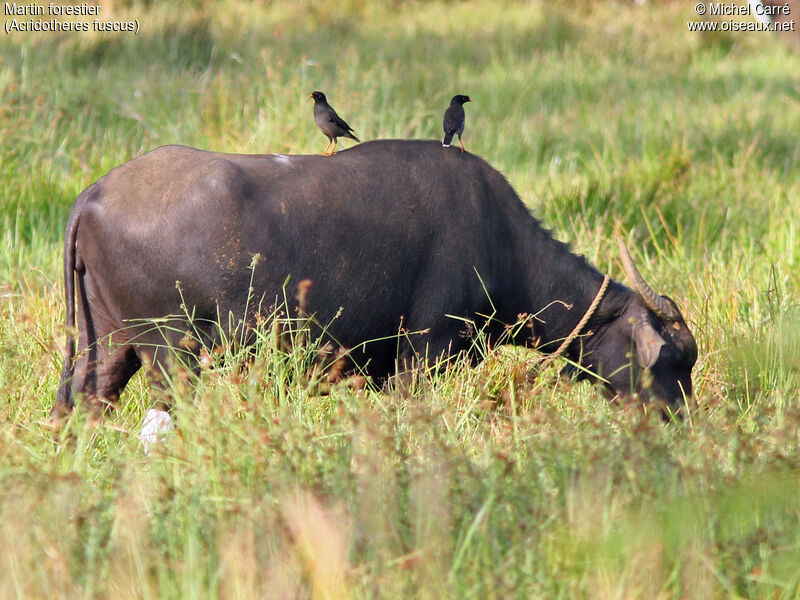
{"points": [[646, 350]]}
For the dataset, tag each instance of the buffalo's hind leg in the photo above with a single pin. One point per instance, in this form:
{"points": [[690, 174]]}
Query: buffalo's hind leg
{"points": [[101, 372], [104, 363]]}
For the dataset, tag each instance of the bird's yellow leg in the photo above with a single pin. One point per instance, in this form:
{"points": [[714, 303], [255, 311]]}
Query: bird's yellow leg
{"points": [[328, 147], [332, 148], [462, 145]]}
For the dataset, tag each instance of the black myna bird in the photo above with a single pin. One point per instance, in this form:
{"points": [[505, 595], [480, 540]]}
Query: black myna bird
{"points": [[454, 120], [329, 123]]}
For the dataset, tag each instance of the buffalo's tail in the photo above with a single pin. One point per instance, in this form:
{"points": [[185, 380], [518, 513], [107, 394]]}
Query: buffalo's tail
{"points": [[64, 399]]}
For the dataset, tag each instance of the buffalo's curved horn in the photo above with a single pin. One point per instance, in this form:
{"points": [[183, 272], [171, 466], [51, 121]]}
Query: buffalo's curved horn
{"points": [[648, 295]]}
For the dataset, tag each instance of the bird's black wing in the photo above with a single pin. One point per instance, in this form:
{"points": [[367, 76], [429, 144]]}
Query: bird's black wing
{"points": [[339, 121], [453, 119]]}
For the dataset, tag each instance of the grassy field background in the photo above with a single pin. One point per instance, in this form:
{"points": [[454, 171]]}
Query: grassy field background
{"points": [[475, 484]]}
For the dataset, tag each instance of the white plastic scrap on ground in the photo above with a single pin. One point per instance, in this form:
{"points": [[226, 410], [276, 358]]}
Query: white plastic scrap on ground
{"points": [[157, 423]]}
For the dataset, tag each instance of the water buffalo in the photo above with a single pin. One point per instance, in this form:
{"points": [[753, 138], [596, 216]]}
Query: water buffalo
{"points": [[392, 233]]}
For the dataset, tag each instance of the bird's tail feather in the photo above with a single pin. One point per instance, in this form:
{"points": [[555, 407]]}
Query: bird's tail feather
{"points": [[448, 137]]}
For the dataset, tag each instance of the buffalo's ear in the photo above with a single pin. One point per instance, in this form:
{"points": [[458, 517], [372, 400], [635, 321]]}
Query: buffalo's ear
{"points": [[648, 344]]}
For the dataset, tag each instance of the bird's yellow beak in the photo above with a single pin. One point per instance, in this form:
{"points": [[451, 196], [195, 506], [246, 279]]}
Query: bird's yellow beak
{"points": [[311, 95]]}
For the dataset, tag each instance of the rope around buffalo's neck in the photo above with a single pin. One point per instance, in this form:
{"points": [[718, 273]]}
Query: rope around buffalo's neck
{"points": [[576, 332]]}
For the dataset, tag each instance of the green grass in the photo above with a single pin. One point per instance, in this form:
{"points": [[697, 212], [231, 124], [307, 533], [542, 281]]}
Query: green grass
{"points": [[474, 483]]}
